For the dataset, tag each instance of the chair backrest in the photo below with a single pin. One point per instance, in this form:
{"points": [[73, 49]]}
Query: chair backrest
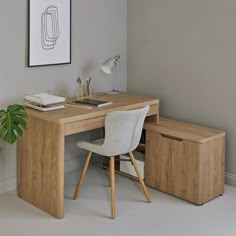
{"points": [[123, 130]]}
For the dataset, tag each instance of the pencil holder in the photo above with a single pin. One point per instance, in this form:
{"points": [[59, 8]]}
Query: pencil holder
{"points": [[79, 90], [83, 90]]}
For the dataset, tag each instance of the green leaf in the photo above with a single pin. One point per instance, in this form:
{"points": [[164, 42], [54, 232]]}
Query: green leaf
{"points": [[13, 121]]}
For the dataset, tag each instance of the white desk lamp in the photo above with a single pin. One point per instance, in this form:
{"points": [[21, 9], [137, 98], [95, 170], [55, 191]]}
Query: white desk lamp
{"points": [[107, 67]]}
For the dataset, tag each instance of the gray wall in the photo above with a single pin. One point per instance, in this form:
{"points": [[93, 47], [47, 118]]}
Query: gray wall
{"points": [[184, 52], [99, 30]]}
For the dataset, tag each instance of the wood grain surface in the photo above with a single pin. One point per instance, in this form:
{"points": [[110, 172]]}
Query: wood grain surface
{"points": [[185, 160], [41, 149], [41, 166]]}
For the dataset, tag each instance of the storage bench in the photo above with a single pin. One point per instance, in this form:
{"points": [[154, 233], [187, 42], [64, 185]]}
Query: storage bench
{"points": [[185, 160]]}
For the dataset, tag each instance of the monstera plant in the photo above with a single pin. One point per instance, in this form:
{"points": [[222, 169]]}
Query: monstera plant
{"points": [[13, 121]]}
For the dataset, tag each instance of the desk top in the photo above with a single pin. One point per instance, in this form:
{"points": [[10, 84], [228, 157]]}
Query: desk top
{"points": [[122, 101]]}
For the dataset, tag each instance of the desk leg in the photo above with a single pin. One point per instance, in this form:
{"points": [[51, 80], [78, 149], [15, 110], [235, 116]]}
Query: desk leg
{"points": [[41, 166]]}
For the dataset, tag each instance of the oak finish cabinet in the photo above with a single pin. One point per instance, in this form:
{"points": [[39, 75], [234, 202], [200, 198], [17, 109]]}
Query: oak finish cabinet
{"points": [[185, 160]]}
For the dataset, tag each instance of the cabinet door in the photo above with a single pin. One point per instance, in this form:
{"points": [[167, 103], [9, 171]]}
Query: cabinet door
{"points": [[185, 170], [157, 161]]}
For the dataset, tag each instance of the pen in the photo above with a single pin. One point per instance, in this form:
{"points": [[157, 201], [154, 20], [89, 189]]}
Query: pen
{"points": [[78, 80], [89, 80], [87, 87], [79, 89]]}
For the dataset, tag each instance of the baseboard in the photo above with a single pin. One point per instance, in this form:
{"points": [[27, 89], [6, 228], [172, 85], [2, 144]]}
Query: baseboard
{"points": [[7, 185], [230, 179]]}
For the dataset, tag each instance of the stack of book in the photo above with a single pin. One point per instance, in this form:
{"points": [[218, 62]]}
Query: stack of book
{"points": [[44, 101]]}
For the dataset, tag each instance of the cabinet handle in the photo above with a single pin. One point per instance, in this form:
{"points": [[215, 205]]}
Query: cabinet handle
{"points": [[171, 137]]}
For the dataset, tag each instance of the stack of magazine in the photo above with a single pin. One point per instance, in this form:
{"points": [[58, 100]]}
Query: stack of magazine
{"points": [[44, 101]]}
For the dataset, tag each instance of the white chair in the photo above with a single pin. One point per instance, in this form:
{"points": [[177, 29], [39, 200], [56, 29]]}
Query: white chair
{"points": [[122, 134]]}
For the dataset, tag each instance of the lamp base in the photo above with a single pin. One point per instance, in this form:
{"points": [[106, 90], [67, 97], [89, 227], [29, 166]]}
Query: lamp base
{"points": [[113, 92]]}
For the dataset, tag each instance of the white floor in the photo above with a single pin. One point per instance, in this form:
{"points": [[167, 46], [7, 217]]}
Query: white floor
{"points": [[90, 214]]}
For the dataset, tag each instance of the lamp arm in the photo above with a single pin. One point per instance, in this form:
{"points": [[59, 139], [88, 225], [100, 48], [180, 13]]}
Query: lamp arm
{"points": [[116, 60], [115, 76]]}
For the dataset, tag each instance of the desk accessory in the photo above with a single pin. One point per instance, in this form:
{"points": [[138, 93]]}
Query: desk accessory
{"points": [[45, 108], [44, 101], [79, 87], [71, 102], [107, 67], [83, 89], [93, 102]]}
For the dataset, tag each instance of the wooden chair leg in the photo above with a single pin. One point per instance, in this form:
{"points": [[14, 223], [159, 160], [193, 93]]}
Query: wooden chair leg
{"points": [[109, 173], [112, 183], [140, 177], [82, 175]]}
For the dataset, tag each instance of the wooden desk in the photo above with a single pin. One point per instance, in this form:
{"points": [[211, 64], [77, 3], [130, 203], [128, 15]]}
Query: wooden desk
{"points": [[41, 149]]}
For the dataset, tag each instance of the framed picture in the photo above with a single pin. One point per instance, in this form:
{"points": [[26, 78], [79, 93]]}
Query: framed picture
{"points": [[49, 32]]}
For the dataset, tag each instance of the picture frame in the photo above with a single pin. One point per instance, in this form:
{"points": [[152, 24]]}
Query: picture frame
{"points": [[49, 32]]}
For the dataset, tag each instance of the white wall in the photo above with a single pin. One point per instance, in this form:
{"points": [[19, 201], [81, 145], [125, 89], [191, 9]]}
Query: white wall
{"points": [[99, 30], [184, 52]]}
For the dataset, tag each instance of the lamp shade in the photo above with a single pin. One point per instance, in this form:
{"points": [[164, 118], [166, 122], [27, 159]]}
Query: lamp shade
{"points": [[108, 65]]}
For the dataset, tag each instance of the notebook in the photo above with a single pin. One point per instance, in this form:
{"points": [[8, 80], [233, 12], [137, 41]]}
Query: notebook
{"points": [[93, 102]]}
